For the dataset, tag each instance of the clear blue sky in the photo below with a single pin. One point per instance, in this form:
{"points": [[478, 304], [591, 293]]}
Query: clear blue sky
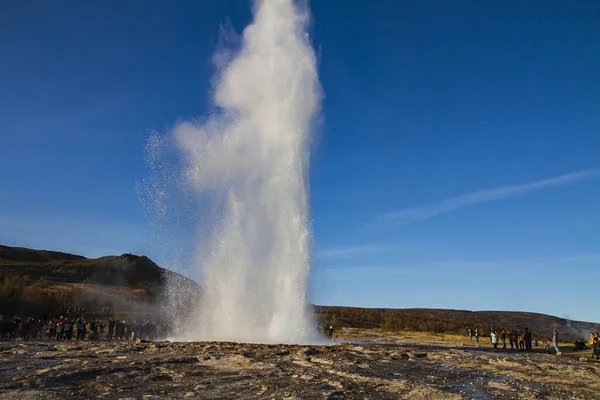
{"points": [[456, 167]]}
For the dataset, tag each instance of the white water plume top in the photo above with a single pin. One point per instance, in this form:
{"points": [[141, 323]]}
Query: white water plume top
{"points": [[250, 157]]}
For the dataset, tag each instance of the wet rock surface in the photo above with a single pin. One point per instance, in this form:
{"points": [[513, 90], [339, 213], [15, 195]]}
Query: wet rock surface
{"points": [[206, 370]]}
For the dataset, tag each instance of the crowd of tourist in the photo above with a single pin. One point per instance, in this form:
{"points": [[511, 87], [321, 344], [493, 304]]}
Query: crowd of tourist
{"points": [[74, 325], [521, 340], [328, 331], [518, 340]]}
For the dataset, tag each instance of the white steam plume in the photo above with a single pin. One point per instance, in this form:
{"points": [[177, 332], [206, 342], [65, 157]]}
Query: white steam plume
{"points": [[250, 158]]}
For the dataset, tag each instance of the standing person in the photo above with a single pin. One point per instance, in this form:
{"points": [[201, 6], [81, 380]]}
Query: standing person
{"points": [[25, 330], [119, 330], [69, 329], [122, 329], [470, 336], [494, 339], [80, 328], [111, 328], [52, 326], [527, 340], [477, 336], [503, 337], [596, 347], [134, 330], [93, 329], [510, 340], [126, 328], [59, 328], [521, 341], [101, 326], [555, 340], [18, 326], [40, 329]]}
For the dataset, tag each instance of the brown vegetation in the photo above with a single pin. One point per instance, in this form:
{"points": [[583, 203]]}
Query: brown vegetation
{"points": [[23, 295], [33, 282], [452, 321]]}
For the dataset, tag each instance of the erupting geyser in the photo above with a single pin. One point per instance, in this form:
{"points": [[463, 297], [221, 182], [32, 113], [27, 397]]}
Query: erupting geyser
{"points": [[252, 156]]}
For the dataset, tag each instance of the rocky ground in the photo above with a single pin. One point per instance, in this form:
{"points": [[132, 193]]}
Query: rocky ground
{"points": [[376, 367]]}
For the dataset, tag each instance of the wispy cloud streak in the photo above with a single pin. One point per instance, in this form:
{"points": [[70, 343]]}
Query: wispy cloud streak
{"points": [[484, 196]]}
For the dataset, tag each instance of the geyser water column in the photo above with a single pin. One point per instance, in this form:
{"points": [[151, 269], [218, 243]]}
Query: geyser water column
{"points": [[251, 155]]}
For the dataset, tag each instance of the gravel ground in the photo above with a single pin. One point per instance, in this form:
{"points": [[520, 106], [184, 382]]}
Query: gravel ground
{"points": [[377, 369]]}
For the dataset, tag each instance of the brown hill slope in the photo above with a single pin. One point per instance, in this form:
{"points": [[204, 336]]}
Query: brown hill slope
{"points": [[125, 269], [34, 280]]}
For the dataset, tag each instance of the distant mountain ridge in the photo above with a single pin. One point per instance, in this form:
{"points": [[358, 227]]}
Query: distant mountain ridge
{"points": [[455, 321]]}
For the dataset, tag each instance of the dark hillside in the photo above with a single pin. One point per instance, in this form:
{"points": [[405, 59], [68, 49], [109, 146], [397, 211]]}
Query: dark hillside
{"points": [[21, 254], [34, 280], [125, 269]]}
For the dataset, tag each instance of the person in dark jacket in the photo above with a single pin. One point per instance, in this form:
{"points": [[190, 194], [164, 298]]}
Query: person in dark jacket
{"points": [[596, 348], [527, 340]]}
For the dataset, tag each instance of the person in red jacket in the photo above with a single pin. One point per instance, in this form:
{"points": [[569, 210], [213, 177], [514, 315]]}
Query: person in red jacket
{"points": [[515, 339]]}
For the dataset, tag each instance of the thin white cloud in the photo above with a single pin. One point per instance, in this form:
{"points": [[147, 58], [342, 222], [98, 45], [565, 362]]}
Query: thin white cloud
{"points": [[350, 251], [483, 196]]}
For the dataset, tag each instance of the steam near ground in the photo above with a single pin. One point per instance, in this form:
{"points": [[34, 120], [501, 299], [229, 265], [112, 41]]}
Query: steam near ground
{"points": [[246, 165]]}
